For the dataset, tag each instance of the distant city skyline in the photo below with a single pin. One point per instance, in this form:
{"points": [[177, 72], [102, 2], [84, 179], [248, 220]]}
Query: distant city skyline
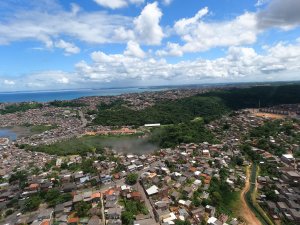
{"points": [[55, 44]]}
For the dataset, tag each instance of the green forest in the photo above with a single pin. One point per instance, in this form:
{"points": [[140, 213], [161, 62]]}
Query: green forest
{"points": [[169, 112], [57, 103], [22, 107], [209, 106], [180, 118]]}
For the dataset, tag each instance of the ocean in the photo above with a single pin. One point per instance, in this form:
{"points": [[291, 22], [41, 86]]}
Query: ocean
{"points": [[46, 96]]}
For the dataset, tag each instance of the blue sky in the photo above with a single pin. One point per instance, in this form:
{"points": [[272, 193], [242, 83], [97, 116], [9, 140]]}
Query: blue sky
{"points": [[57, 44]]}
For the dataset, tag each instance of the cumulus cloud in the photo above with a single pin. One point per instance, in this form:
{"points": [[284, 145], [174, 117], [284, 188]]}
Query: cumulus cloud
{"points": [[68, 47], [111, 69], [284, 14], [147, 27], [46, 25], [239, 62], [49, 26], [134, 49], [198, 35]]}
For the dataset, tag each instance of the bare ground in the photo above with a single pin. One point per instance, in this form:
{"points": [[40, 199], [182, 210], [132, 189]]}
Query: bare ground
{"points": [[245, 211]]}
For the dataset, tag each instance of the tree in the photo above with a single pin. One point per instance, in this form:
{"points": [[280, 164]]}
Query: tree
{"points": [[180, 222], [20, 176], [32, 203], [54, 197], [132, 178], [82, 208], [127, 218]]}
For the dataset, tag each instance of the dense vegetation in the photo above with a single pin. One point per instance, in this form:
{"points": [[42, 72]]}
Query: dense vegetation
{"points": [[264, 95], [52, 198], [171, 112], [179, 114], [132, 208], [57, 103], [132, 178], [209, 106], [190, 132], [223, 197], [22, 107]]}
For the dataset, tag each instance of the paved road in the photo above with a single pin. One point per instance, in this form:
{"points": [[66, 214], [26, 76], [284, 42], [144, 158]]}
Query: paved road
{"points": [[82, 118]]}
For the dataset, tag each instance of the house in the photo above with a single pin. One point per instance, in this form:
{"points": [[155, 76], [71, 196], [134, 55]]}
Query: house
{"points": [[45, 214], [73, 221], [161, 214], [69, 187], [214, 221], [34, 187], [111, 200], [198, 214], [295, 214], [114, 213], [105, 179], [59, 209], [210, 210], [162, 205], [94, 220], [77, 198], [288, 158], [96, 197], [175, 195], [137, 196], [152, 190], [114, 222]]}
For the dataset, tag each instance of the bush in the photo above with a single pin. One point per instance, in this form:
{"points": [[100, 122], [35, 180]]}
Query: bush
{"points": [[132, 178]]}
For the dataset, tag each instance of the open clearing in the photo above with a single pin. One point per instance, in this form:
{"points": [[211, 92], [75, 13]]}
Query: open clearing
{"points": [[269, 115]]}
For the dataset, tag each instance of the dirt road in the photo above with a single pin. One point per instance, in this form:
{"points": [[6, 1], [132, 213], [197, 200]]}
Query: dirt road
{"points": [[245, 211]]}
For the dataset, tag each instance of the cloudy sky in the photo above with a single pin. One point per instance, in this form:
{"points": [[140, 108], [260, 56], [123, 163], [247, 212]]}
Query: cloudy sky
{"points": [[58, 44]]}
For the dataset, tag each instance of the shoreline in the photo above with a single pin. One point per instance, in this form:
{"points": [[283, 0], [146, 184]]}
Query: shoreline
{"points": [[42, 96]]}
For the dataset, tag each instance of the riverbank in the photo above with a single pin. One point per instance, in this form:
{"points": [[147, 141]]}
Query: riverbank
{"points": [[245, 211], [250, 198]]}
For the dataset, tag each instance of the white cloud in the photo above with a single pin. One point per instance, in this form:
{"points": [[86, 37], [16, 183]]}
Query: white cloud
{"points": [[9, 82], [63, 80], [68, 47], [239, 62], [281, 61], [53, 26], [46, 26], [198, 35], [134, 49], [172, 49], [147, 28], [182, 25], [116, 4]]}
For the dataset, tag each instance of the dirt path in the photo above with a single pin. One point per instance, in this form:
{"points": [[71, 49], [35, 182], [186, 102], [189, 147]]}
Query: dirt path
{"points": [[245, 211]]}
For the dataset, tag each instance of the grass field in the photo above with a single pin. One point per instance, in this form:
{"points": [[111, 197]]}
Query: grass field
{"points": [[85, 144], [41, 128]]}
